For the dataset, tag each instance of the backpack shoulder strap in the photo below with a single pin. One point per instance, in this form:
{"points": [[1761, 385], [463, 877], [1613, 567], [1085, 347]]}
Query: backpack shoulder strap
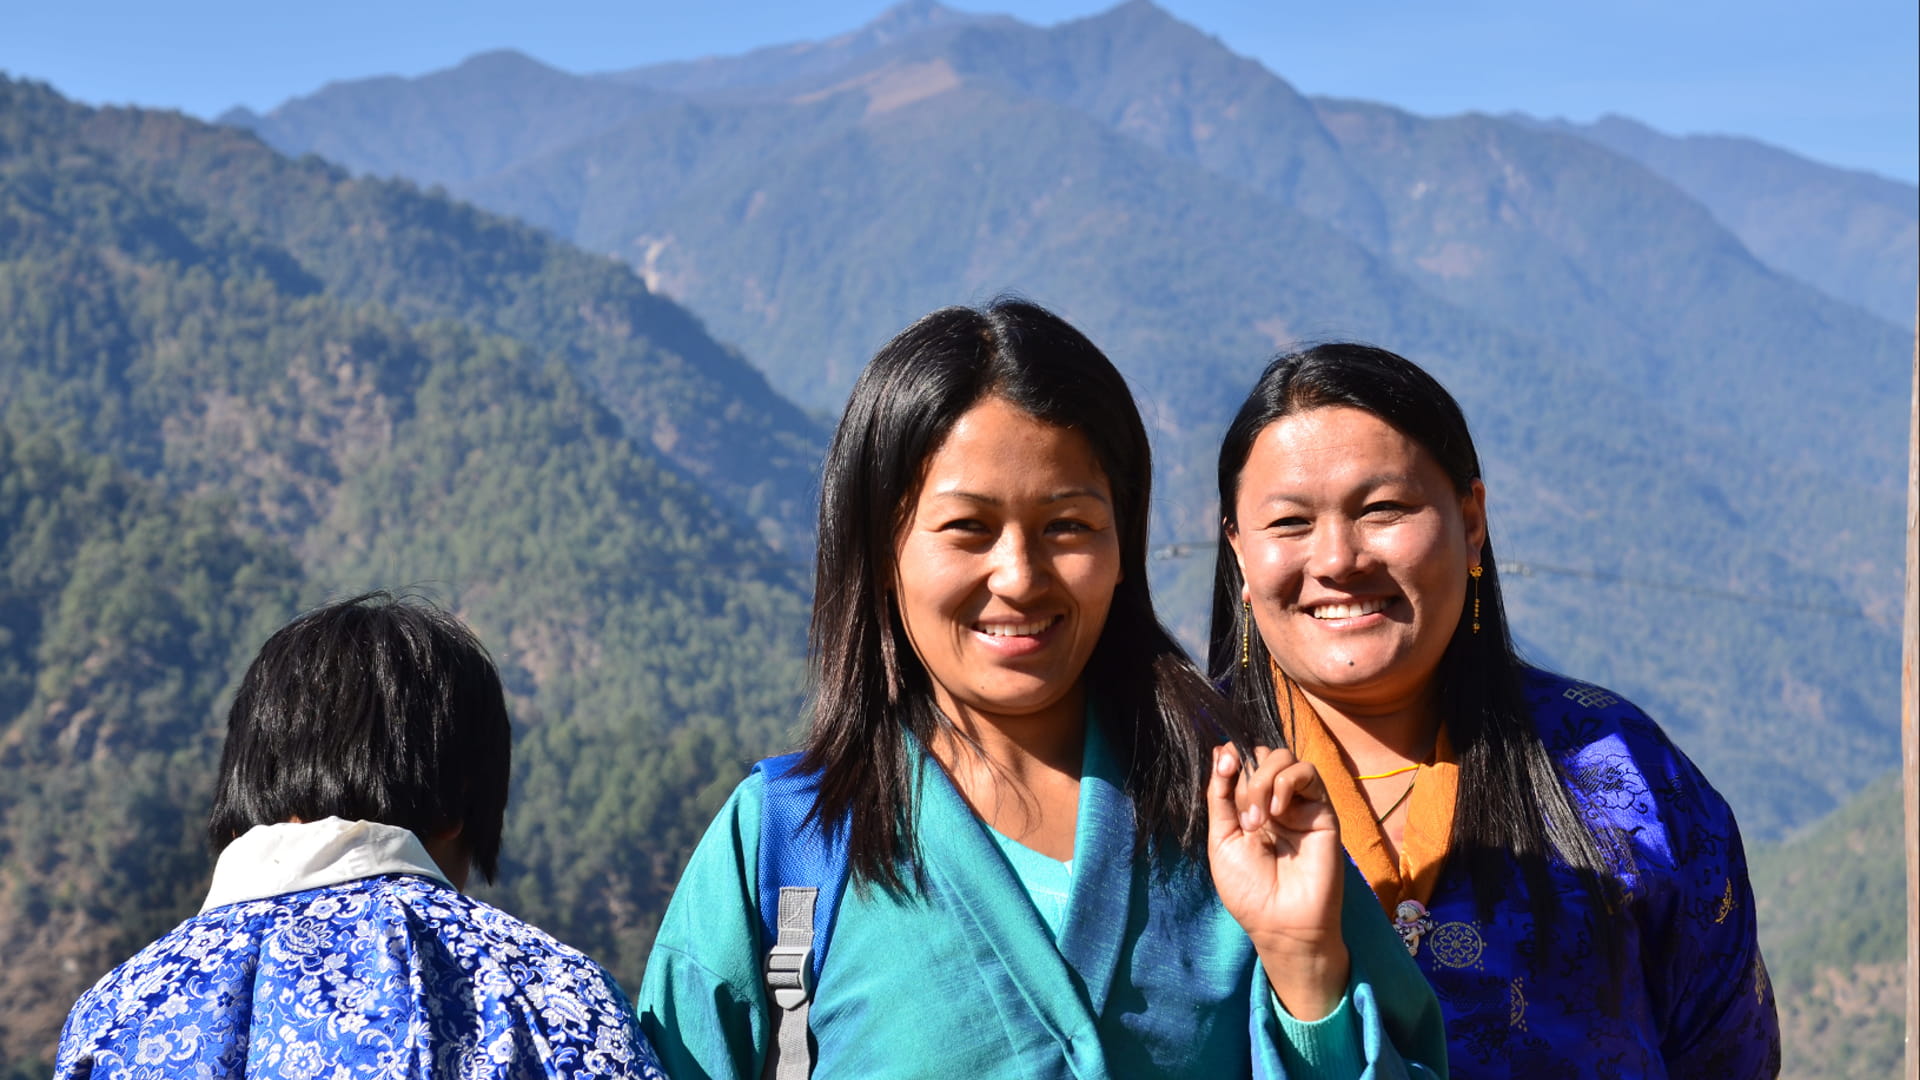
{"points": [[802, 873]]}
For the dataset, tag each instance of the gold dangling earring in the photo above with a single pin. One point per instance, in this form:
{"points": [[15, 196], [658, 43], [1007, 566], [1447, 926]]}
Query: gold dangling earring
{"points": [[1246, 629], [1475, 573]]}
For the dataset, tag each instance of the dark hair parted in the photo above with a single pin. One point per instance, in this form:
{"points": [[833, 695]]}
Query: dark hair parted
{"points": [[1513, 800], [374, 708], [869, 688]]}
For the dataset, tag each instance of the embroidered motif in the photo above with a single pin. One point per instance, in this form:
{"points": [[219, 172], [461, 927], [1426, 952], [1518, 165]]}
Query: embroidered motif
{"points": [[1457, 944], [1516, 1004], [1590, 697], [1726, 904], [1762, 982]]}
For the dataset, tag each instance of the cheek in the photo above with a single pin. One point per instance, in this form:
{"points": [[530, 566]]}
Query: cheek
{"points": [[1430, 565], [1092, 580], [1267, 567], [928, 585]]}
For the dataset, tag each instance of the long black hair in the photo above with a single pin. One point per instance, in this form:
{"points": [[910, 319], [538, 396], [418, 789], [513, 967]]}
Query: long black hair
{"points": [[869, 688], [1513, 801], [375, 708]]}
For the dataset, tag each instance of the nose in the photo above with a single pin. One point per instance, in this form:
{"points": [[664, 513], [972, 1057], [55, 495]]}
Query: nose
{"points": [[1020, 568], [1336, 551]]}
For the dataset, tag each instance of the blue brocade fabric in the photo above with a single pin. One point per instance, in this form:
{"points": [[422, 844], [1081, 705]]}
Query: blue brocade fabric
{"points": [[1691, 998], [393, 976]]}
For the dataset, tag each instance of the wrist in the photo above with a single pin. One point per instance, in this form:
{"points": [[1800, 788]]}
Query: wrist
{"points": [[1309, 983]]}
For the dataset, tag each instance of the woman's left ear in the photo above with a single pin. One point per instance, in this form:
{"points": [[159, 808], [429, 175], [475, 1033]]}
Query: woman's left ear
{"points": [[1473, 511]]}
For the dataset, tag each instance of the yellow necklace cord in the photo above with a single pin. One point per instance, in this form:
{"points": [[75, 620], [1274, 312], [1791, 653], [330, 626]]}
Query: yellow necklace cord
{"points": [[1392, 772]]}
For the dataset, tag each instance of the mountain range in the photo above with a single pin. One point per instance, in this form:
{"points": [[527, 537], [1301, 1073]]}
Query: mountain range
{"points": [[1695, 451]]}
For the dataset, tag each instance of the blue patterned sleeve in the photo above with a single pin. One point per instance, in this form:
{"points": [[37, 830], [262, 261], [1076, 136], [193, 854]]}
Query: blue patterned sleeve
{"points": [[1701, 947]]}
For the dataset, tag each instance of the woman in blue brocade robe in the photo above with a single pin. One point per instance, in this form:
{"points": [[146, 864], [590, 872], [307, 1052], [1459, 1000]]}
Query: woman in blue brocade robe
{"points": [[1571, 885], [364, 774]]}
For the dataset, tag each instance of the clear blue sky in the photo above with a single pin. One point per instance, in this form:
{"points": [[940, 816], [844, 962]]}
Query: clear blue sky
{"points": [[1835, 81]]}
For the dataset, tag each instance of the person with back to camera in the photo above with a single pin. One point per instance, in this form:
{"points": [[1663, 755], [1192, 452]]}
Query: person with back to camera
{"points": [[1567, 879], [364, 776], [1029, 856]]}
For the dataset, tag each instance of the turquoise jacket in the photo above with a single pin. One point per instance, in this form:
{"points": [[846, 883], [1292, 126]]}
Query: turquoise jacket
{"points": [[1150, 976]]}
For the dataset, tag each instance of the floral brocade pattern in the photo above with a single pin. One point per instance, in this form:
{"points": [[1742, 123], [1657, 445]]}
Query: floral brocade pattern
{"points": [[391, 976], [1686, 996]]}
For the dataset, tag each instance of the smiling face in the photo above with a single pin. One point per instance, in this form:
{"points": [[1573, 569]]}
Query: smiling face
{"points": [[1355, 549], [1005, 567]]}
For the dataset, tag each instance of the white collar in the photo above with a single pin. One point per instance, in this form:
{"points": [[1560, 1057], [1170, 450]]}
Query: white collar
{"points": [[270, 860]]}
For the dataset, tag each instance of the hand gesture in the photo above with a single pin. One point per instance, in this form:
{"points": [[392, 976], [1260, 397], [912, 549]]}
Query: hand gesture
{"points": [[1273, 843]]}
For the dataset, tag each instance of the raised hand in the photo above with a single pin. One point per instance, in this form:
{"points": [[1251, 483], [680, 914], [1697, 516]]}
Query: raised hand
{"points": [[1273, 842]]}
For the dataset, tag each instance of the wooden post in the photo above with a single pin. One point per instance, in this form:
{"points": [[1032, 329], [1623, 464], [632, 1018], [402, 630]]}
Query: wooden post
{"points": [[1909, 701]]}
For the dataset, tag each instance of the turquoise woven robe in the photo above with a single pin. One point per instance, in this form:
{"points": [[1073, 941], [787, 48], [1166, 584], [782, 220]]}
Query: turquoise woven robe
{"points": [[1149, 977]]}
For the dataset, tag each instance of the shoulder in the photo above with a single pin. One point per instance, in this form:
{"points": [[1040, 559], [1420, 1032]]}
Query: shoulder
{"points": [[1594, 733], [423, 964], [722, 869], [1625, 770], [150, 984]]}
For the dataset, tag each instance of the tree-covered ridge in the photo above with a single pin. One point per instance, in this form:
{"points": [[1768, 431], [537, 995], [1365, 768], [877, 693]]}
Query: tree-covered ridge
{"points": [[125, 613], [424, 257], [1832, 906], [649, 637], [1851, 233]]}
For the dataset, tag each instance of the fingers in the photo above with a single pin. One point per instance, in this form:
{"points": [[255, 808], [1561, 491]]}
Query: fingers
{"points": [[1222, 813], [1255, 795], [1309, 807], [1279, 790]]}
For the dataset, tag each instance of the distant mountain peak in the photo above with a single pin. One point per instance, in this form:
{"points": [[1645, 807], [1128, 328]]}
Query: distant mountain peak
{"points": [[502, 61], [916, 15], [800, 61], [1138, 19], [902, 20], [1141, 13]]}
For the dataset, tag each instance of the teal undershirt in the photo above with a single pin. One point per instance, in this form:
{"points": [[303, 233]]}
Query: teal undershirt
{"points": [[1047, 880]]}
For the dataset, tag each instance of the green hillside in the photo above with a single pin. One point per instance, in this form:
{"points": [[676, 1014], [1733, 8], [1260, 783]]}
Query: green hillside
{"points": [[123, 613], [1832, 904], [422, 257], [286, 439]]}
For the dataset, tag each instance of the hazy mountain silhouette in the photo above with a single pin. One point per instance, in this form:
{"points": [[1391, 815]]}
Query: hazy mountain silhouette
{"points": [[1851, 233]]}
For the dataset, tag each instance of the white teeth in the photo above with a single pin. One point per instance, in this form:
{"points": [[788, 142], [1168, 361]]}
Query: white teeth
{"points": [[1025, 629], [1350, 611]]}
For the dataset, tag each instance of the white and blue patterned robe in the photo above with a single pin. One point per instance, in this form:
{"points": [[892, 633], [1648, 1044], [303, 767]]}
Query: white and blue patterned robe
{"points": [[335, 950]]}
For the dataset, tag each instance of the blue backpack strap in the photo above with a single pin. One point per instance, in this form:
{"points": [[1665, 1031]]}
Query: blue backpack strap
{"points": [[795, 851]]}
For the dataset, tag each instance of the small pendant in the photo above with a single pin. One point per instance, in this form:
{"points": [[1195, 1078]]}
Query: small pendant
{"points": [[1411, 920]]}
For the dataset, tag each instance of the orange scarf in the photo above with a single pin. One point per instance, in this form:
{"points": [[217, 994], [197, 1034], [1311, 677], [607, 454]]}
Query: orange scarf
{"points": [[1423, 846]]}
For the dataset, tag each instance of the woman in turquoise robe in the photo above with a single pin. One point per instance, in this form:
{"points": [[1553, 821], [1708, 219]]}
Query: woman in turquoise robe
{"points": [[1055, 871]]}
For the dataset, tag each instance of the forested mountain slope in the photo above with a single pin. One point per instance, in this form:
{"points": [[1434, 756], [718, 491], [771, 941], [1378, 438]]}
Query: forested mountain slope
{"points": [[1851, 233], [1832, 905], [234, 385], [122, 612], [1696, 455]]}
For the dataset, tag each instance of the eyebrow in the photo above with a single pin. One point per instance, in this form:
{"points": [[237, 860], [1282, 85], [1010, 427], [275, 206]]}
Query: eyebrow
{"points": [[1374, 481], [1058, 496]]}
